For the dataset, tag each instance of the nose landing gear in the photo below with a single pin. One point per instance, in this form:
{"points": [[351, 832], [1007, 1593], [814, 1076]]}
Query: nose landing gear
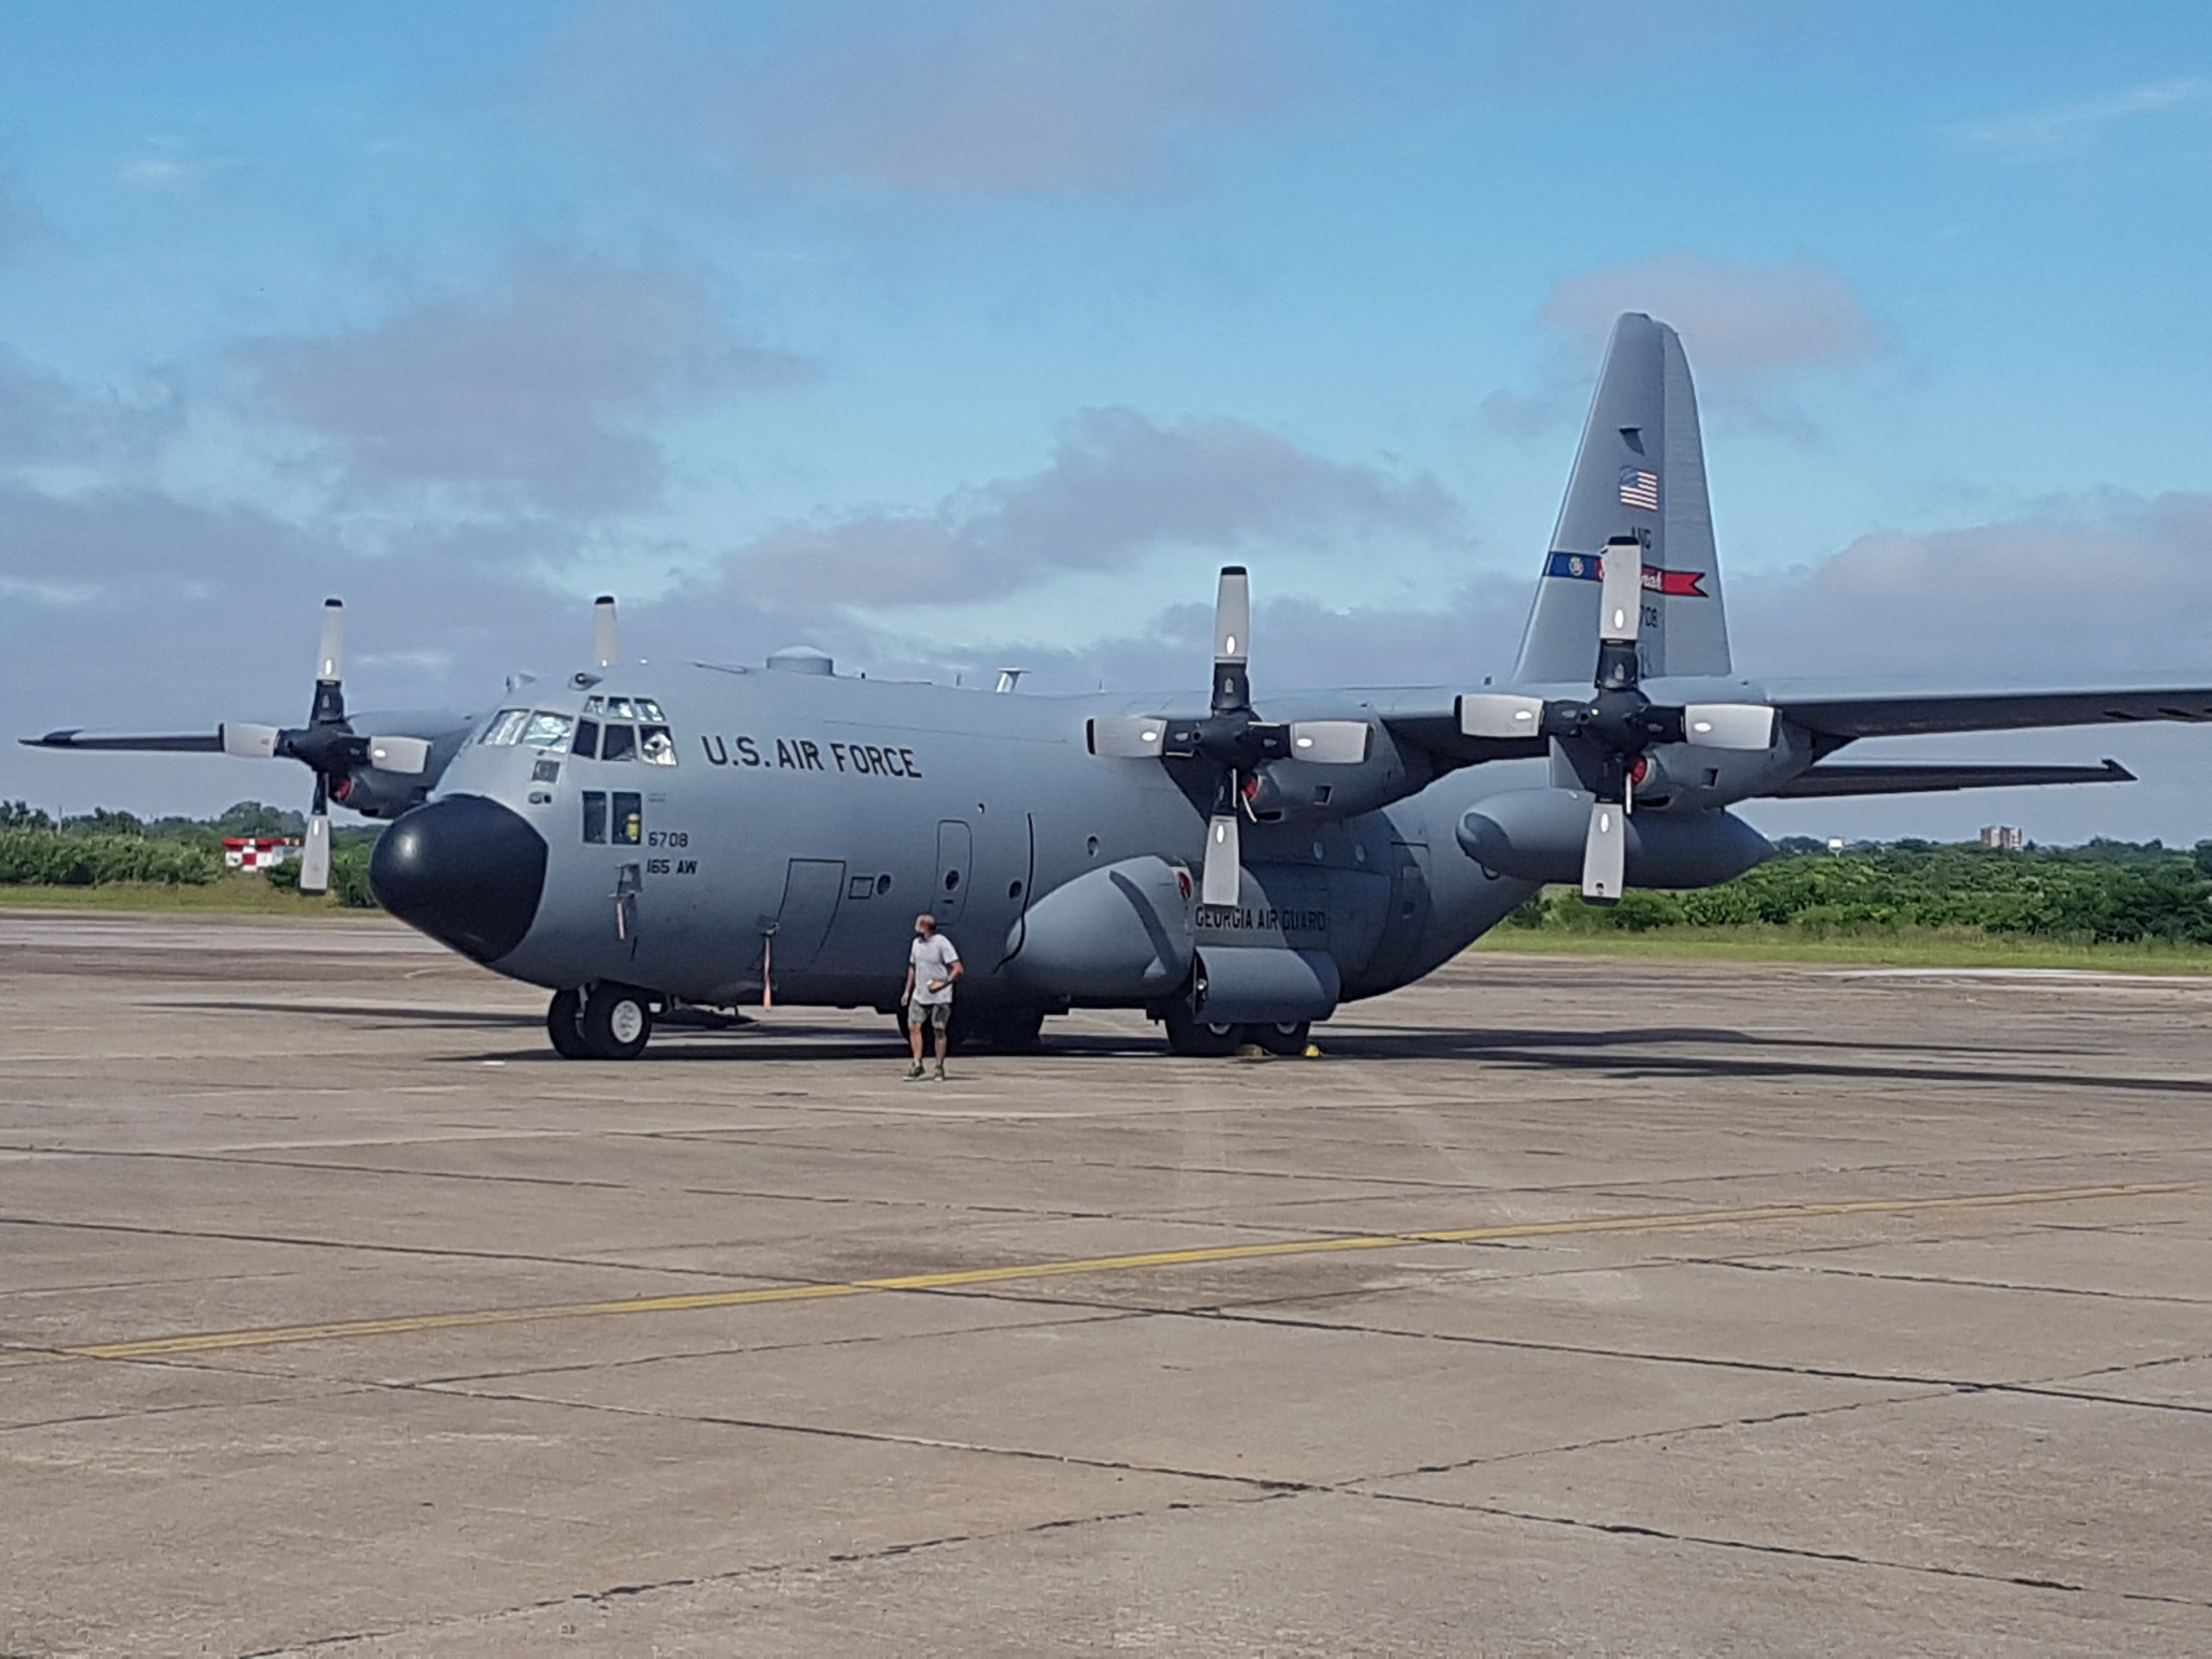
{"points": [[605, 1022]]}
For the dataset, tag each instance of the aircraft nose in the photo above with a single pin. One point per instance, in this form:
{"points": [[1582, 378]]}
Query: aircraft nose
{"points": [[465, 871]]}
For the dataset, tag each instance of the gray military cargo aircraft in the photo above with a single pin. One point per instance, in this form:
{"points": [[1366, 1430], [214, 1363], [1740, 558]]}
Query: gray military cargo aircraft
{"points": [[644, 838]]}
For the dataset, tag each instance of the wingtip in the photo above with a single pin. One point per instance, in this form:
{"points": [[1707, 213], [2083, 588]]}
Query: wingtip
{"points": [[60, 739], [2118, 774]]}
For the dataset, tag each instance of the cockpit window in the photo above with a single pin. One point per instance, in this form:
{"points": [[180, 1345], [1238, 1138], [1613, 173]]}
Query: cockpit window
{"points": [[594, 705], [587, 743], [507, 728], [648, 709], [618, 708], [618, 743], [547, 731], [655, 746]]}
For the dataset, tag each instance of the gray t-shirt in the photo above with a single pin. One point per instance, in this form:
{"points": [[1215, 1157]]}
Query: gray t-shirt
{"points": [[933, 958]]}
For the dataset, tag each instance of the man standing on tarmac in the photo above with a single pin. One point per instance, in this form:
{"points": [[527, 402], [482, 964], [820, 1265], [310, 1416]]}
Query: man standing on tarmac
{"points": [[932, 968]]}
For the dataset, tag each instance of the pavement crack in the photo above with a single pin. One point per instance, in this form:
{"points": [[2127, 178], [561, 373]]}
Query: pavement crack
{"points": [[1848, 1558]]}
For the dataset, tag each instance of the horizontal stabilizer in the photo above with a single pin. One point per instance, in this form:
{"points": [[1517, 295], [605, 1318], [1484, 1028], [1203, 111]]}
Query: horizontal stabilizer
{"points": [[1852, 714], [1830, 780]]}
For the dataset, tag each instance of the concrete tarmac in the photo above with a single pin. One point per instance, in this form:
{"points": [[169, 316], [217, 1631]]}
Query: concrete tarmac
{"points": [[1565, 1306]]}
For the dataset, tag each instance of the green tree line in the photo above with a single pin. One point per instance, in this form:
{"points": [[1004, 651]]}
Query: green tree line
{"points": [[2105, 891], [106, 846]]}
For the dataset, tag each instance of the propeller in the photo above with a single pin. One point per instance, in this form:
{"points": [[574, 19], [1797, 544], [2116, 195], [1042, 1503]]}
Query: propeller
{"points": [[1607, 739], [1232, 737], [328, 744]]}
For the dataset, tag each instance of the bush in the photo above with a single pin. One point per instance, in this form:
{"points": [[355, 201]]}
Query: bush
{"points": [[2108, 891], [43, 858], [349, 871]]}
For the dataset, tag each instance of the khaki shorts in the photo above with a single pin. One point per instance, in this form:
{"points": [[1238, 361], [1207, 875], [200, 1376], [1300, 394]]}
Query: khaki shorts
{"points": [[938, 1014]]}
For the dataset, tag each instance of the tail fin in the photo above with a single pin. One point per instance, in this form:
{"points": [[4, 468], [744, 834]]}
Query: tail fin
{"points": [[1640, 472]]}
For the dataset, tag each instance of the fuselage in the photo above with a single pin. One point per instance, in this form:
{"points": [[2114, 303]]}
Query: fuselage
{"points": [[710, 829]]}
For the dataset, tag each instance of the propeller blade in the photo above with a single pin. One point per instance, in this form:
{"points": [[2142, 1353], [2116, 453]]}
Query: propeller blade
{"points": [[605, 638], [248, 742], [404, 754], [315, 862], [1232, 641], [1728, 725], [329, 706], [1500, 714], [1222, 882], [1604, 853], [1620, 594], [1140, 737], [1330, 742], [330, 659], [1232, 616], [75, 737]]}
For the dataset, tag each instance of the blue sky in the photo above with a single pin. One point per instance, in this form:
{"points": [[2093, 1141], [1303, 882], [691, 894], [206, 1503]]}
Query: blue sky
{"points": [[949, 334]]}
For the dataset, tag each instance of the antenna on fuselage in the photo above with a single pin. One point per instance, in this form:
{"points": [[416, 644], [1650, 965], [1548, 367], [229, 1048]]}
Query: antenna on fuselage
{"points": [[1010, 677]]}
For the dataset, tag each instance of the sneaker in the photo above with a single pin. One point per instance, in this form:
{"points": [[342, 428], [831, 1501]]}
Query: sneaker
{"points": [[914, 1072], [940, 1071]]}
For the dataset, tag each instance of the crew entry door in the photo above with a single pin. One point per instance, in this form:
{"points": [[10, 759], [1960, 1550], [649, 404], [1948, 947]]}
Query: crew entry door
{"points": [[954, 846]]}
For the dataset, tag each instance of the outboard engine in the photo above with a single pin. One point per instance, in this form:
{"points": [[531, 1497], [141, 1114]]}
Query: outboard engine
{"points": [[1538, 835]]}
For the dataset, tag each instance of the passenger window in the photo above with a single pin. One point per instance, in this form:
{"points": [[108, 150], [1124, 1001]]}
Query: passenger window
{"points": [[629, 818], [594, 815], [587, 743], [618, 743], [505, 727], [655, 746], [547, 731]]}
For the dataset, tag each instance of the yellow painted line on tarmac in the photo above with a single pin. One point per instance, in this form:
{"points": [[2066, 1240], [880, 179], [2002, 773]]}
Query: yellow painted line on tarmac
{"points": [[205, 1341]]}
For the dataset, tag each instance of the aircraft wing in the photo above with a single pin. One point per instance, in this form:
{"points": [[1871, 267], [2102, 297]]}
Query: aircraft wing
{"points": [[1829, 778], [1843, 713]]}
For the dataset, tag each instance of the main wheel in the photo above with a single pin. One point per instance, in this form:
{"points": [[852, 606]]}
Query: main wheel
{"points": [[1288, 1037], [1188, 1035], [618, 1022], [564, 1024]]}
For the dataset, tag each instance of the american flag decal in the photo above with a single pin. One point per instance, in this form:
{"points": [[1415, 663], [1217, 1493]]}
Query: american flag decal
{"points": [[1639, 489]]}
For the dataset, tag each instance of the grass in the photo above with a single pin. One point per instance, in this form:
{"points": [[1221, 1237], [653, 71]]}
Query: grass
{"points": [[238, 893], [1901, 948]]}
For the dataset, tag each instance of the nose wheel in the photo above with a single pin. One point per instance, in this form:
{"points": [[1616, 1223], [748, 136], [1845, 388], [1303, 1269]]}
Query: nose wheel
{"points": [[606, 1022]]}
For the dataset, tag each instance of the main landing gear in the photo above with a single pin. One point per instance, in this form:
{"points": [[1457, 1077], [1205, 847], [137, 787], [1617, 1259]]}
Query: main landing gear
{"points": [[605, 1022], [1188, 1035]]}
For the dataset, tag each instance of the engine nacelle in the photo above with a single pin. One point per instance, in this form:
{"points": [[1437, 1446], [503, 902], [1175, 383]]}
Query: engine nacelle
{"points": [[1124, 933], [1537, 834]]}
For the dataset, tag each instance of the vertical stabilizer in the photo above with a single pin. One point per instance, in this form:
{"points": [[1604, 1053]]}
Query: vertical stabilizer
{"points": [[1640, 473]]}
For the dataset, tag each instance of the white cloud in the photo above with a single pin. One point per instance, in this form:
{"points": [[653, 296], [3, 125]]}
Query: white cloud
{"points": [[533, 396], [2035, 134], [1000, 96], [1118, 485], [1736, 319]]}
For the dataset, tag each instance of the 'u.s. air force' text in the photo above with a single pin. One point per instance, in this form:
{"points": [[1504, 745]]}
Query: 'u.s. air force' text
{"points": [[804, 754]]}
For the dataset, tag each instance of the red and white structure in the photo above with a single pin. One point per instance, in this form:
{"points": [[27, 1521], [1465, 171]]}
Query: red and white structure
{"points": [[260, 852]]}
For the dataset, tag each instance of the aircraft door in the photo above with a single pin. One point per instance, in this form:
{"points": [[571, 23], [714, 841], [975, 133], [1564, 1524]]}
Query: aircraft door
{"points": [[955, 849], [812, 887]]}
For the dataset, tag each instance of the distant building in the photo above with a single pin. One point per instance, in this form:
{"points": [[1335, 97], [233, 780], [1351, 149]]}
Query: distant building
{"points": [[260, 852], [2004, 837]]}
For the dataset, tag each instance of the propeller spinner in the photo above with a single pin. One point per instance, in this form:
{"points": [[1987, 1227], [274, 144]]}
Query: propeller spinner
{"points": [[1231, 736]]}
